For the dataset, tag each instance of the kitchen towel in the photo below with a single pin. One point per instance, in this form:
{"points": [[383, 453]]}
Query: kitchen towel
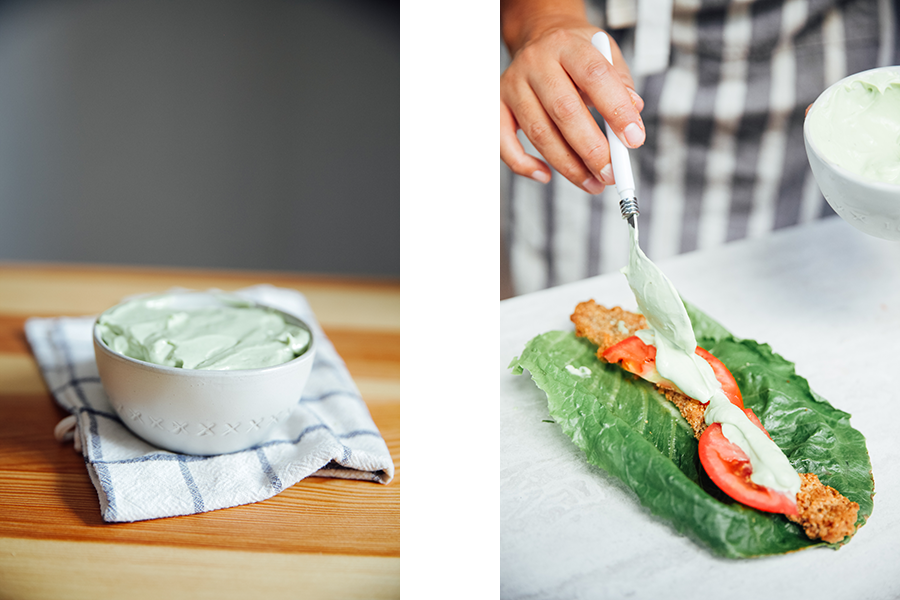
{"points": [[329, 433]]}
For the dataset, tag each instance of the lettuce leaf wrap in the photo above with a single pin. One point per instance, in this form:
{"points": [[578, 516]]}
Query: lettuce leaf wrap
{"points": [[630, 430]]}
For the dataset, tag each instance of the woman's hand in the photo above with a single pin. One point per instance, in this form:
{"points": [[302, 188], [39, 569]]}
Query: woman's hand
{"points": [[555, 75]]}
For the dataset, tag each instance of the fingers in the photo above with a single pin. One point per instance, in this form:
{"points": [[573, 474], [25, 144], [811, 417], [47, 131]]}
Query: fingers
{"points": [[512, 153], [529, 115], [549, 110], [609, 88], [565, 130], [546, 93]]}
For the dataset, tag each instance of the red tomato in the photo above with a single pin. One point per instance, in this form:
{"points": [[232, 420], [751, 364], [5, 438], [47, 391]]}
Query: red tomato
{"points": [[640, 358], [636, 356], [729, 468], [729, 385]]}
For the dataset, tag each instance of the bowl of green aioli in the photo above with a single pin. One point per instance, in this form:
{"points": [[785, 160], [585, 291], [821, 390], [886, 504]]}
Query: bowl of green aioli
{"points": [[852, 137], [202, 372]]}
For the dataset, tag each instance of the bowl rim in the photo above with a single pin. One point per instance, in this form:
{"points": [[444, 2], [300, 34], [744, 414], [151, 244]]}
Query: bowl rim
{"points": [[843, 171], [308, 354]]}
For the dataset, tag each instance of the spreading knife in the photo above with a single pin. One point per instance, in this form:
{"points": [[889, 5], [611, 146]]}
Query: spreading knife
{"points": [[621, 164]]}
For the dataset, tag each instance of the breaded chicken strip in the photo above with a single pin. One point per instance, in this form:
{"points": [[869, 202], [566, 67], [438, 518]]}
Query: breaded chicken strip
{"points": [[603, 326], [823, 512]]}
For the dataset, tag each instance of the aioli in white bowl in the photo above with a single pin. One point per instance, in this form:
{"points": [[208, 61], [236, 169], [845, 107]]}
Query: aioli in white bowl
{"points": [[857, 125], [233, 335]]}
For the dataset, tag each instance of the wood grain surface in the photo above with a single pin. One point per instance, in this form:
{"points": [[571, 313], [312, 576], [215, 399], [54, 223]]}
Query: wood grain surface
{"points": [[49, 507]]}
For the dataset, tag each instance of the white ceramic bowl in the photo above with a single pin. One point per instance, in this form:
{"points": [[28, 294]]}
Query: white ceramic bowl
{"points": [[873, 207], [202, 411]]}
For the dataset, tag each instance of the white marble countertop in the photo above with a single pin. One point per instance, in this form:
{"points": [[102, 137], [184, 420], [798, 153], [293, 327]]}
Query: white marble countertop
{"points": [[827, 298]]}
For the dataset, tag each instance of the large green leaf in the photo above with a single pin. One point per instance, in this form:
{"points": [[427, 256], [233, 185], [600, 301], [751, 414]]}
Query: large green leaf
{"points": [[627, 428]]}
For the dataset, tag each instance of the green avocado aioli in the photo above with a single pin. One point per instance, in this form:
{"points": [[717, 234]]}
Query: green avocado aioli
{"points": [[676, 360], [235, 335], [857, 126]]}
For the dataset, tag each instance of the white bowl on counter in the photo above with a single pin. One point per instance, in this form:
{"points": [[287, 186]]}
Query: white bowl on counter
{"points": [[202, 412]]}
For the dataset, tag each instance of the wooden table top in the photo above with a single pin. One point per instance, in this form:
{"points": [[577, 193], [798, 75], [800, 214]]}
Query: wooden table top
{"points": [[320, 538]]}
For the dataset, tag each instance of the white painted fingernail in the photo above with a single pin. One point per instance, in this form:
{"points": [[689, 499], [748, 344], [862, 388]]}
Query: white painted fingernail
{"points": [[541, 176], [593, 185]]}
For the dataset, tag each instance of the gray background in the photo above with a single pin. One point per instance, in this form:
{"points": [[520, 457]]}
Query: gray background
{"points": [[236, 134]]}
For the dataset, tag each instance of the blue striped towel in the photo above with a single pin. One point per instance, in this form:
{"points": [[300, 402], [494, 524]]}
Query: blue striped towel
{"points": [[330, 432]]}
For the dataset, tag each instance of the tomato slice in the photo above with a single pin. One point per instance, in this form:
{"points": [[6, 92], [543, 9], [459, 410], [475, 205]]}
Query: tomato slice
{"points": [[636, 356], [729, 468], [725, 463], [724, 376], [640, 358]]}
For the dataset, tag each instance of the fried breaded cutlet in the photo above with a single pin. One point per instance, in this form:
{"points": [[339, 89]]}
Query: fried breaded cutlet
{"points": [[823, 512]]}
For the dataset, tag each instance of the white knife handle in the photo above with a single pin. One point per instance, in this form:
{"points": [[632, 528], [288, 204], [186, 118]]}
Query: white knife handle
{"points": [[618, 152]]}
